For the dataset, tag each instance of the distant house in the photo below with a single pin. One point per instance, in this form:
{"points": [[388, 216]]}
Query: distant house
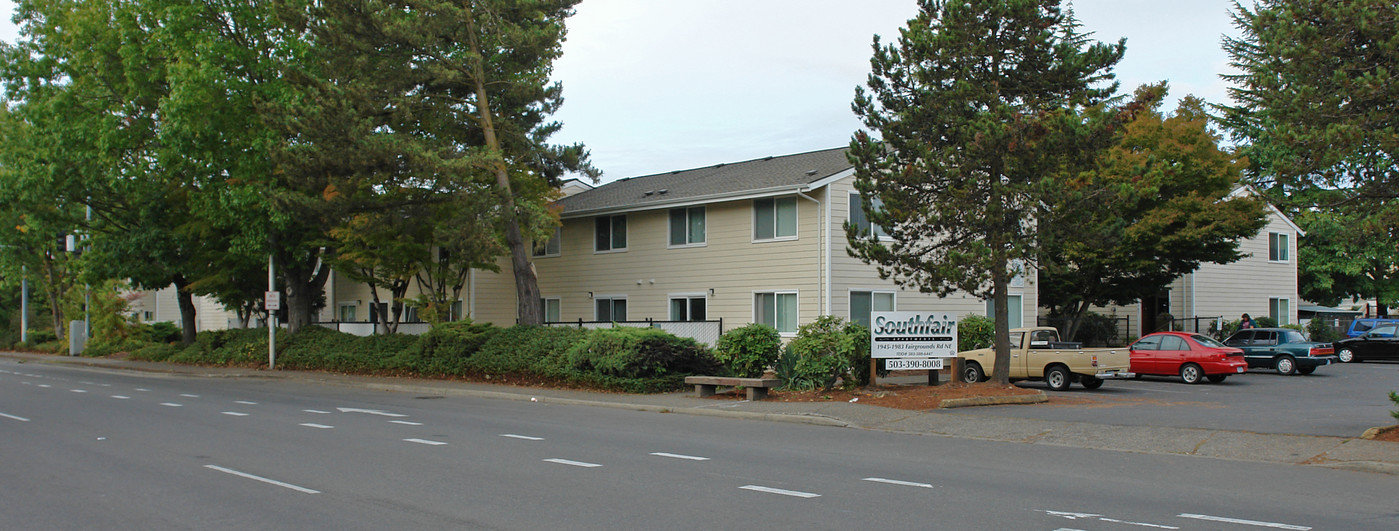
{"points": [[759, 241], [1262, 284]]}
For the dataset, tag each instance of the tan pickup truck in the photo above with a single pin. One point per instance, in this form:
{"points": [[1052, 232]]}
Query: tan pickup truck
{"points": [[1037, 354]]}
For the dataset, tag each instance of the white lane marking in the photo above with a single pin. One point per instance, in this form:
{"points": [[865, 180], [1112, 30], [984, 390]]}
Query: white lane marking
{"points": [[45, 386], [523, 437], [245, 402], [572, 463], [171, 404], [678, 456], [314, 425], [425, 441], [1091, 516], [1139, 524], [771, 490], [317, 411], [368, 412], [262, 479], [405, 423], [78, 390], [121, 397], [1072, 516], [143, 390], [21, 419], [902, 483], [190, 396], [235, 414], [1244, 522]]}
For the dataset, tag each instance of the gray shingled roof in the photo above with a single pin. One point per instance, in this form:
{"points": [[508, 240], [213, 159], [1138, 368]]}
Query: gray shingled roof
{"points": [[788, 172]]}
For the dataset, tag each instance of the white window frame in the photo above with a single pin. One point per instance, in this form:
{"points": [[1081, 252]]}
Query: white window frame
{"points": [[757, 315], [340, 312], [796, 219], [613, 310], [552, 247], [850, 300], [1282, 317], [611, 236], [687, 297], [1015, 319], [544, 308], [857, 204], [686, 219], [1279, 247]]}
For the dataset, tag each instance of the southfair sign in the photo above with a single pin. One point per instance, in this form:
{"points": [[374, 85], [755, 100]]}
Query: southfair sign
{"points": [[913, 335]]}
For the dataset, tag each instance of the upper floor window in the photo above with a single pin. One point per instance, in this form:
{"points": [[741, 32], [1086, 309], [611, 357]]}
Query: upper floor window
{"points": [[686, 226], [611, 233], [550, 247], [775, 218], [860, 220], [1278, 247]]}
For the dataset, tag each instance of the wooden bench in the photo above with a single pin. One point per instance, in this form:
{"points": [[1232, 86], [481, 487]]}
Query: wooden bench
{"points": [[757, 387]]}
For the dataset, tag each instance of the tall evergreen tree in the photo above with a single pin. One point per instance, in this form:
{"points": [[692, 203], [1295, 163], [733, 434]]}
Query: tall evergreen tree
{"points": [[977, 103]]}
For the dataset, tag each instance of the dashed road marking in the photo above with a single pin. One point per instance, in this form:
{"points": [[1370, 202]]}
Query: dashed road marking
{"points": [[143, 390], [784, 492], [521, 437], [316, 411], [45, 386], [572, 463], [318, 426], [262, 479], [245, 402], [405, 423], [679, 456], [171, 404], [189, 396], [425, 441], [121, 397], [235, 414], [1273, 525], [78, 390], [901, 483], [21, 419]]}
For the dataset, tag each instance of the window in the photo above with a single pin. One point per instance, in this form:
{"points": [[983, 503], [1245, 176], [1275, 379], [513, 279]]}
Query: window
{"points": [[611, 233], [1148, 343], [1278, 247], [148, 316], [1013, 307], [688, 308], [1173, 343], [686, 226], [376, 310], [778, 310], [864, 302], [610, 309], [1281, 310], [347, 312], [410, 314], [551, 246], [775, 218], [549, 308], [860, 220]]}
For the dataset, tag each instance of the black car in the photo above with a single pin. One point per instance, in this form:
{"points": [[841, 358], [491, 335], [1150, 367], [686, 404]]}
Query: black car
{"points": [[1283, 349], [1380, 343]]}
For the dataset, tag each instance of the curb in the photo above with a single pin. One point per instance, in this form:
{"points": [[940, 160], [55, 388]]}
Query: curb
{"points": [[951, 403]]}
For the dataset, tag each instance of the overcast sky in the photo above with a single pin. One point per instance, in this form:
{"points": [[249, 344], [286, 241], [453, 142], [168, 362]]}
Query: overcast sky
{"points": [[659, 85]]}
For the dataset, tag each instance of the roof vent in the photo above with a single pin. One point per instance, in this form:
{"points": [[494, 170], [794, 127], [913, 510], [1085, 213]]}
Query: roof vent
{"points": [[769, 157], [662, 191], [648, 193], [810, 173]]}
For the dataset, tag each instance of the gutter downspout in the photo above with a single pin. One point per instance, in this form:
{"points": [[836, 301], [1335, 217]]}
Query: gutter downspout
{"points": [[821, 262]]}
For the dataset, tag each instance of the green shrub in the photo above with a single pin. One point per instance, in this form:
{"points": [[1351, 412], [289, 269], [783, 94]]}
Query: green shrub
{"points": [[827, 350], [1318, 330], [41, 336], [447, 348], [974, 332], [637, 360], [1095, 330], [526, 350], [748, 350], [1265, 322], [161, 332], [323, 349], [241, 347], [153, 352]]}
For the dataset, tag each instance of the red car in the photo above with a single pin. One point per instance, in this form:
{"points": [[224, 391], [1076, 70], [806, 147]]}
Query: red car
{"points": [[1192, 356]]}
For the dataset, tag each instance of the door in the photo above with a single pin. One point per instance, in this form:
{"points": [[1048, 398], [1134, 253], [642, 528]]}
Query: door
{"points": [[1144, 355], [1172, 354]]}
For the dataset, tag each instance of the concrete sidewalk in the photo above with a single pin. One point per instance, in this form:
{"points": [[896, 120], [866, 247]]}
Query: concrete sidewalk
{"points": [[1332, 452]]}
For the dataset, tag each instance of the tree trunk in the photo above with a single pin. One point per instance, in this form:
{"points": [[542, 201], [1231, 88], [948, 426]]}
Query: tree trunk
{"points": [[526, 283], [54, 290], [185, 300], [999, 288], [304, 283]]}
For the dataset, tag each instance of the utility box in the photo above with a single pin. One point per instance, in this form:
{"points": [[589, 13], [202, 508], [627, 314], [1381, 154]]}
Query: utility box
{"points": [[77, 337]]}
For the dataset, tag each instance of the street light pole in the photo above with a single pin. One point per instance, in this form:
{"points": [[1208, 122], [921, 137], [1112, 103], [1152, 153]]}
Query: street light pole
{"points": [[270, 301]]}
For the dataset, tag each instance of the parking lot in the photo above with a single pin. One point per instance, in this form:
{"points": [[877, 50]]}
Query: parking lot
{"points": [[1339, 400]]}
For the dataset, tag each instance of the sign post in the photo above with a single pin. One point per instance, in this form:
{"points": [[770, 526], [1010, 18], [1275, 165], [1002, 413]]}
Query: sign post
{"points": [[910, 341], [272, 300]]}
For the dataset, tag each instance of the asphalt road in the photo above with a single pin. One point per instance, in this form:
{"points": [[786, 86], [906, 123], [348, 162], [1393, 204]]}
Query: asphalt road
{"points": [[1340, 400], [89, 449]]}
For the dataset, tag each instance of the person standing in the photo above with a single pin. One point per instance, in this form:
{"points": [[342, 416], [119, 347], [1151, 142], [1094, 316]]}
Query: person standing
{"points": [[1246, 322]]}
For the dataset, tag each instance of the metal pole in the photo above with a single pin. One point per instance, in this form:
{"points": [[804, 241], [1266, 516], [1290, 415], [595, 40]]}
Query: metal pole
{"points": [[87, 294], [24, 304], [271, 318]]}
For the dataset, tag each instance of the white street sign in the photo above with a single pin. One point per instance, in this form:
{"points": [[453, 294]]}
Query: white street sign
{"points": [[272, 300], [913, 335]]}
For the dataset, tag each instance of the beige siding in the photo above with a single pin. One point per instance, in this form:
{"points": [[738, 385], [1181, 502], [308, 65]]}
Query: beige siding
{"points": [[850, 274], [1247, 285], [162, 303]]}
